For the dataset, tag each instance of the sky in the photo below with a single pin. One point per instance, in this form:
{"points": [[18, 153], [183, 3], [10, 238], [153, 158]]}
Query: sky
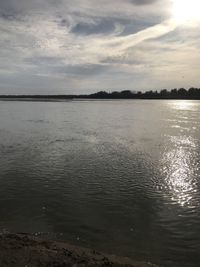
{"points": [[84, 46]]}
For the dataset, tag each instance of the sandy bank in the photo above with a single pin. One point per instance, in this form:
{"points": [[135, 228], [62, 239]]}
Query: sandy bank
{"points": [[22, 250]]}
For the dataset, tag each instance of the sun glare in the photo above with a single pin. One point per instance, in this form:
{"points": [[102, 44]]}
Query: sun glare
{"points": [[185, 11]]}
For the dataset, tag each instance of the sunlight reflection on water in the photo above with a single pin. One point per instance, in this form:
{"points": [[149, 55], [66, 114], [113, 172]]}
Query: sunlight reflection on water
{"points": [[179, 164], [183, 105], [179, 170]]}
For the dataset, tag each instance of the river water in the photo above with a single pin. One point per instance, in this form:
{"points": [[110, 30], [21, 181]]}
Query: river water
{"points": [[121, 176]]}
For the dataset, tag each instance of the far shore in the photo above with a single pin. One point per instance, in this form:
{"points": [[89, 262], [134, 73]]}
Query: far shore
{"points": [[17, 250], [174, 94]]}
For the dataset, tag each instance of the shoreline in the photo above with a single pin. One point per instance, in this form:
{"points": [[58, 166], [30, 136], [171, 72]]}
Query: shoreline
{"points": [[17, 250]]}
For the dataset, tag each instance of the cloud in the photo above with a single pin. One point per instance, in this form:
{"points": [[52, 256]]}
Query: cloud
{"points": [[143, 2], [97, 27], [68, 46]]}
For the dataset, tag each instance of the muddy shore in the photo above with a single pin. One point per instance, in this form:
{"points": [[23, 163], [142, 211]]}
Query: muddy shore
{"points": [[23, 250]]}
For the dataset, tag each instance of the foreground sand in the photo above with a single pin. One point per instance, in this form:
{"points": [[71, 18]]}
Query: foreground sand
{"points": [[22, 250]]}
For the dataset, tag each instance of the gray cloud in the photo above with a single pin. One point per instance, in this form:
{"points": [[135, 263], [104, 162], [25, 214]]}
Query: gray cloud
{"points": [[51, 65], [85, 70], [20, 5], [95, 28], [110, 26], [143, 2]]}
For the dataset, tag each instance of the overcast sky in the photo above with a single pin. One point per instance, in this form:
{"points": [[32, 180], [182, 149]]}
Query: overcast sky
{"points": [[83, 46]]}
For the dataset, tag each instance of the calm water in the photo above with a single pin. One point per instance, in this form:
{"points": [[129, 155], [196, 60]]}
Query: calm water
{"points": [[120, 176]]}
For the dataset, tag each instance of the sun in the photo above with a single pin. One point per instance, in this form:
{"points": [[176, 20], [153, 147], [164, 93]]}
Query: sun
{"points": [[185, 11]]}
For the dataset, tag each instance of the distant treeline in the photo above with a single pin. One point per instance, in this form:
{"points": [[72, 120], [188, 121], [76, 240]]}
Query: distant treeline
{"points": [[192, 93], [182, 93]]}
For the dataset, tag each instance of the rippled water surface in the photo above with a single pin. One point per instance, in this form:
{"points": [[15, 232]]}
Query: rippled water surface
{"points": [[122, 177]]}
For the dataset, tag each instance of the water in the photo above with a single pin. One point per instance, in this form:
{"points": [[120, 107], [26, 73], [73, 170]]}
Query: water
{"points": [[119, 176]]}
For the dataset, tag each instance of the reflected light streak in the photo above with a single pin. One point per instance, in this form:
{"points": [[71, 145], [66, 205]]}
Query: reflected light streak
{"points": [[183, 105], [179, 170]]}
